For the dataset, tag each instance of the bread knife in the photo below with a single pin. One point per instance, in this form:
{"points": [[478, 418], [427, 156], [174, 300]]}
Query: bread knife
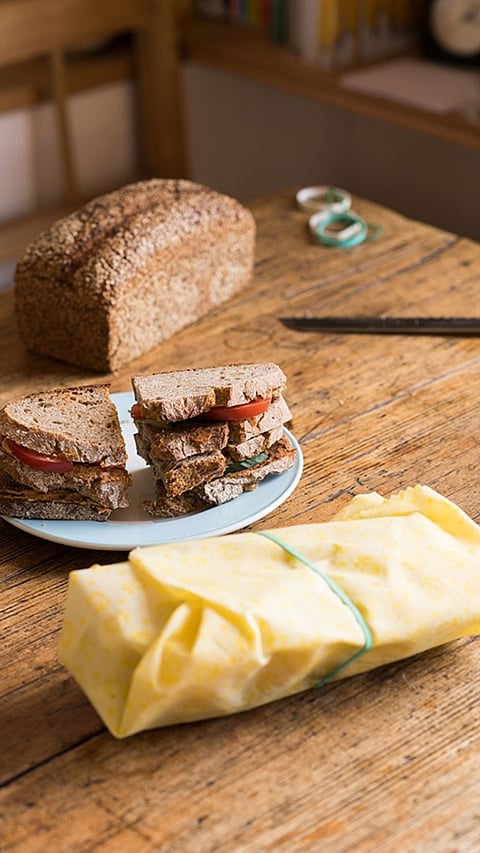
{"points": [[386, 325]]}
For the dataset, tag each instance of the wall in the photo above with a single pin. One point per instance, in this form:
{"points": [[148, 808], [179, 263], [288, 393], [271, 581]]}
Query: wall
{"points": [[104, 152], [247, 140]]}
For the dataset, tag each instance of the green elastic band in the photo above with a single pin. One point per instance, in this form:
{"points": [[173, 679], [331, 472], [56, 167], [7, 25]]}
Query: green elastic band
{"points": [[343, 598], [333, 196], [354, 232]]}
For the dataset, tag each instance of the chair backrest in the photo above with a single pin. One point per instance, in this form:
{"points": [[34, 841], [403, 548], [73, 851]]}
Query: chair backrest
{"points": [[34, 28]]}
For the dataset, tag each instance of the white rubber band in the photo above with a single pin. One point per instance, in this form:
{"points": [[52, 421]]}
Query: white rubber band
{"points": [[317, 198]]}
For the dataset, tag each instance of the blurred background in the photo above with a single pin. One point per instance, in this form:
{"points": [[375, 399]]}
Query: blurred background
{"points": [[380, 97]]}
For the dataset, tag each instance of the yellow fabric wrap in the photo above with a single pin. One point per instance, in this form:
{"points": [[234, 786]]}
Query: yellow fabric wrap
{"points": [[208, 627]]}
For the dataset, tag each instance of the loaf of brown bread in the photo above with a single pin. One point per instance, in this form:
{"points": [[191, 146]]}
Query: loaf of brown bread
{"points": [[129, 269]]}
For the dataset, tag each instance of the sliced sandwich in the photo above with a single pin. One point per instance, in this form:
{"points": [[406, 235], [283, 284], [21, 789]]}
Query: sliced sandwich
{"points": [[62, 455], [210, 434]]}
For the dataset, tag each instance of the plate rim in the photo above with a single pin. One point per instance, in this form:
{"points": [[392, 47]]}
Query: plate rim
{"points": [[63, 531]]}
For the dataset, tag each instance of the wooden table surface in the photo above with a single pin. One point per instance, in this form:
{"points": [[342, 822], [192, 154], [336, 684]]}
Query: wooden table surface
{"points": [[388, 760]]}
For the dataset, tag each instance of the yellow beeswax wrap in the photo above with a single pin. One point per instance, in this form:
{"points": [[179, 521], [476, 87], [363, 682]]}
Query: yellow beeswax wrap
{"points": [[198, 629]]}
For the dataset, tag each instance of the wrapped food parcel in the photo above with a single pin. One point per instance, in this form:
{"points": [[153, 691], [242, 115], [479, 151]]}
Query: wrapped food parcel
{"points": [[204, 628]]}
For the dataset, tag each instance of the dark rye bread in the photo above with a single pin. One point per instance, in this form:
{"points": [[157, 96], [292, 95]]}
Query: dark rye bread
{"points": [[180, 475], [179, 440], [258, 444], [221, 489], [184, 439], [277, 413], [280, 458], [159, 442], [179, 395], [79, 423], [129, 269], [106, 486], [187, 474], [168, 506], [19, 502], [195, 457]]}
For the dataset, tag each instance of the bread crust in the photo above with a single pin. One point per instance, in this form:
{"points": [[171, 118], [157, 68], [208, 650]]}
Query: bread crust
{"points": [[180, 395], [20, 502], [54, 509], [106, 486], [221, 489], [179, 440], [168, 506], [125, 272], [242, 431], [280, 458], [255, 445]]}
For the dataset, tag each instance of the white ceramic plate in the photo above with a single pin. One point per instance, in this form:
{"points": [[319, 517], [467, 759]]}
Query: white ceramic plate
{"points": [[132, 527]]}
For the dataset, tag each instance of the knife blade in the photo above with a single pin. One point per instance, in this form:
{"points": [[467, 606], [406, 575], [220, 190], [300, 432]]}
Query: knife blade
{"points": [[386, 325]]}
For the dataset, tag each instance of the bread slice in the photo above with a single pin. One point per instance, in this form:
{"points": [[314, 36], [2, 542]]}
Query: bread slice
{"points": [[105, 486], [78, 423], [21, 502], [179, 440], [182, 476], [180, 395], [276, 414], [190, 452], [221, 489], [280, 458], [254, 446], [172, 506]]}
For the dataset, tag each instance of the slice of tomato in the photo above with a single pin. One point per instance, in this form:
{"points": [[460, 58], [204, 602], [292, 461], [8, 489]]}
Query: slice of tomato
{"points": [[135, 411], [238, 413], [38, 460]]}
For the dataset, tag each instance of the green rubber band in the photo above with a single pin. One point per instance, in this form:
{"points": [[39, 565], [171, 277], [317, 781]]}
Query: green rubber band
{"points": [[374, 231], [333, 196], [363, 231], [367, 633], [341, 239]]}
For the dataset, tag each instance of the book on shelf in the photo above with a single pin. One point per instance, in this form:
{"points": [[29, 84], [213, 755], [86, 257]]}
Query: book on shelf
{"points": [[342, 33], [328, 33], [268, 16]]}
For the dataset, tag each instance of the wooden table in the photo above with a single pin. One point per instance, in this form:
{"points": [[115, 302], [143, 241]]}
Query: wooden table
{"points": [[388, 760]]}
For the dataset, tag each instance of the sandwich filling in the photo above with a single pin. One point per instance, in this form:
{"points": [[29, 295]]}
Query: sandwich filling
{"points": [[34, 459]]}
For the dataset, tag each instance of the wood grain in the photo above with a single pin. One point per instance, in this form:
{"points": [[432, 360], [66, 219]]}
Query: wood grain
{"points": [[388, 759], [30, 28]]}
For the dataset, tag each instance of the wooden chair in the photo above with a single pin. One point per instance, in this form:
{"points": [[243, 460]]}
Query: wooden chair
{"points": [[30, 29]]}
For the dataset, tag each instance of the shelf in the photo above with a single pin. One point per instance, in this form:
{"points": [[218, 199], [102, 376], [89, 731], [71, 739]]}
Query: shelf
{"points": [[246, 53]]}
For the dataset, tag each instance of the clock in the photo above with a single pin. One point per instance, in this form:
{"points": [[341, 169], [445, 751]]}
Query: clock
{"points": [[452, 31]]}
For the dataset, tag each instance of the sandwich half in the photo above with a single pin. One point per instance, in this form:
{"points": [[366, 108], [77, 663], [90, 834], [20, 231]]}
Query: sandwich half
{"points": [[62, 455], [210, 434]]}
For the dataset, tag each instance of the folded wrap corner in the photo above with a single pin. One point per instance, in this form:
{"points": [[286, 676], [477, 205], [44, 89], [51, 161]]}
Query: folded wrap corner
{"points": [[204, 628]]}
